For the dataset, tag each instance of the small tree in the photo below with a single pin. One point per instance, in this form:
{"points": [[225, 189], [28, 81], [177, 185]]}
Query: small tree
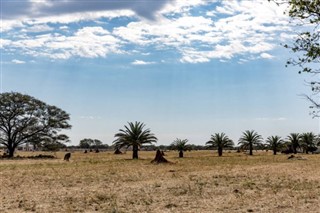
{"points": [[25, 119], [308, 142], [134, 135], [275, 143], [180, 145], [220, 141], [250, 139], [294, 140]]}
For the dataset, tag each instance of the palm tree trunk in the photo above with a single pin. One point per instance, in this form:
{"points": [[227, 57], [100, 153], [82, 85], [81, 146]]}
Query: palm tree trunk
{"points": [[274, 151], [294, 149], [135, 149], [180, 154], [220, 151], [250, 149]]}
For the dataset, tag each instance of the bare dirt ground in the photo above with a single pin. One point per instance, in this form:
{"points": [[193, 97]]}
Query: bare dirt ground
{"points": [[200, 182]]}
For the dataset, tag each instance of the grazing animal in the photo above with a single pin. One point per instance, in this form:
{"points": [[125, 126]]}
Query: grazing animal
{"points": [[67, 156]]}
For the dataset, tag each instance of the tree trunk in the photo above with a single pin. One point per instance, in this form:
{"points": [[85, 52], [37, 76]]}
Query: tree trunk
{"points": [[11, 147], [11, 152], [180, 154], [220, 151], [274, 151], [135, 152], [250, 149], [294, 149]]}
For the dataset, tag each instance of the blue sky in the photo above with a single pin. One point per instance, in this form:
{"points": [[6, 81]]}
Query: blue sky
{"points": [[188, 69]]}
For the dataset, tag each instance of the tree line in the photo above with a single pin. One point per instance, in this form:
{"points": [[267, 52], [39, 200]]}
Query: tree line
{"points": [[134, 135], [24, 119]]}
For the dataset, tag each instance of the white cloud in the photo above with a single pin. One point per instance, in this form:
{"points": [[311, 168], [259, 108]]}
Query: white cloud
{"points": [[246, 29], [64, 28], [140, 62], [16, 61], [88, 42], [37, 28], [266, 56]]}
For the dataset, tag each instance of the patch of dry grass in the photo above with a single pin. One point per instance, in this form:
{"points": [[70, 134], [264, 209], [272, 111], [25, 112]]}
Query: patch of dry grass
{"points": [[200, 182]]}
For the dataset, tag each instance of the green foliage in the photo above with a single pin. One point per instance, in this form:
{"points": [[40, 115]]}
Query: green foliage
{"points": [[308, 141], [275, 143], [250, 139], [220, 141], [180, 144], [294, 140], [25, 119], [87, 143], [134, 135]]}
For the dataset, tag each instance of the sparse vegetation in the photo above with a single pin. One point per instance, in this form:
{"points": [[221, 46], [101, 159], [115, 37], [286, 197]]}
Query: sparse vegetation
{"points": [[200, 183]]}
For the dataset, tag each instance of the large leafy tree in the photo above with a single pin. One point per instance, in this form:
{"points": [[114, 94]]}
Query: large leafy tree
{"points": [[134, 135], [249, 139], [275, 143], [220, 141], [25, 119], [294, 140], [306, 45], [87, 143], [180, 145]]}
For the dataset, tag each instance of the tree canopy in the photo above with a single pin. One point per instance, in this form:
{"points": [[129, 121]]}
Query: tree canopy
{"points": [[87, 143], [275, 143], [249, 139], [25, 119], [220, 141], [134, 135], [180, 145]]}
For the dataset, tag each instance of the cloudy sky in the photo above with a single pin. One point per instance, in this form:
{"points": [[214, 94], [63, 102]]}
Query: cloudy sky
{"points": [[186, 68]]}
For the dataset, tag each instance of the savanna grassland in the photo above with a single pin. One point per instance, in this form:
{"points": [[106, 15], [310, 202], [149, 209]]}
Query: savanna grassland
{"points": [[200, 182]]}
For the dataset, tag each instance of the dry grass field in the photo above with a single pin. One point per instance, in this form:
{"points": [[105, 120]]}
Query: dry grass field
{"points": [[200, 182]]}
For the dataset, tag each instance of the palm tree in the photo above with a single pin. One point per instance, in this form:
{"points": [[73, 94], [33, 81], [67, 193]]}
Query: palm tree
{"points": [[249, 139], [295, 141], [134, 135], [180, 145], [275, 143], [220, 141], [308, 141]]}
